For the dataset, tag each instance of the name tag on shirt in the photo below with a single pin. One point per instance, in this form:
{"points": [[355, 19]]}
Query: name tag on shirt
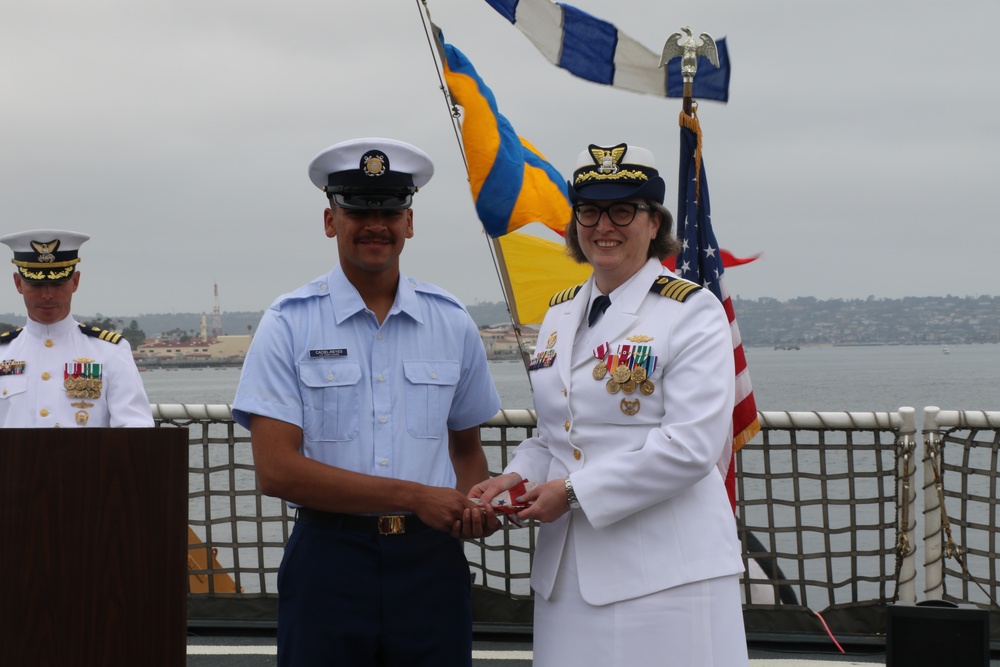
{"points": [[326, 354]]}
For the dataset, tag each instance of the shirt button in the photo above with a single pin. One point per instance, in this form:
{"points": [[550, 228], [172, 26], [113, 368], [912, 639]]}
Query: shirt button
{"points": [[43, 412], [49, 343], [329, 377], [381, 379], [324, 287], [567, 425], [577, 454], [382, 420], [383, 462], [434, 375], [565, 393], [378, 336], [46, 376]]}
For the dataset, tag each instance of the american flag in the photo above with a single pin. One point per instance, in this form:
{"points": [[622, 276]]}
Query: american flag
{"points": [[700, 261]]}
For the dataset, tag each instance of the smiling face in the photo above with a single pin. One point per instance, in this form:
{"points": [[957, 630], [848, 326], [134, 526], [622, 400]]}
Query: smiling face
{"points": [[369, 240], [49, 302], [617, 253]]}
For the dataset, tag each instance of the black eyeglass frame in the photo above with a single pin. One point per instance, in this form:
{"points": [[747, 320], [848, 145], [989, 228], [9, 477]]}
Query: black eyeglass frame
{"points": [[602, 210]]}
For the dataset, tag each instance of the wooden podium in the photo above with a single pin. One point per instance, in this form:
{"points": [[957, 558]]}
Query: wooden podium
{"points": [[93, 546]]}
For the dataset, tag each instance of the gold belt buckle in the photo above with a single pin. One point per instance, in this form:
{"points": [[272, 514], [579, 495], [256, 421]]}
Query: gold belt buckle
{"points": [[391, 524]]}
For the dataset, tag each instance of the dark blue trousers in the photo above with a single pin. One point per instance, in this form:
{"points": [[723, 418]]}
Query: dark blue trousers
{"points": [[367, 600]]}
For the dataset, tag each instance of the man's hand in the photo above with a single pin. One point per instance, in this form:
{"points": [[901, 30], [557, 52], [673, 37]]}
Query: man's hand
{"points": [[479, 521], [443, 509]]}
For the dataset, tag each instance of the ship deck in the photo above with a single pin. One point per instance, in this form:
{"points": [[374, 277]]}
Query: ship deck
{"points": [[258, 649]]}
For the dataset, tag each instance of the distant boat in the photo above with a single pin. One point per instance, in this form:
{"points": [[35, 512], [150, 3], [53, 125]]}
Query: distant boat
{"points": [[945, 350]]}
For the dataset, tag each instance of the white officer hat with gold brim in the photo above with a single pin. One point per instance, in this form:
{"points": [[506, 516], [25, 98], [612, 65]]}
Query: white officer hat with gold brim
{"points": [[45, 255], [371, 173]]}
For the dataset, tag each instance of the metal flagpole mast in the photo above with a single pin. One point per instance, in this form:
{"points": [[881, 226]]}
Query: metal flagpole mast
{"points": [[496, 250]]}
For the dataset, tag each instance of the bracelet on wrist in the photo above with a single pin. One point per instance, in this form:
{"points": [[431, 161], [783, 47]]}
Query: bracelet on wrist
{"points": [[571, 499]]}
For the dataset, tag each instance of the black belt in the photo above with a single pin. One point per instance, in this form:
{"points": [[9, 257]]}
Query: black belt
{"points": [[385, 524]]}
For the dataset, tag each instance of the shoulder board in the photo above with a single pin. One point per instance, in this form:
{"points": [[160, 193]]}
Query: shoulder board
{"points": [[674, 288], [8, 336], [565, 295], [109, 336]]}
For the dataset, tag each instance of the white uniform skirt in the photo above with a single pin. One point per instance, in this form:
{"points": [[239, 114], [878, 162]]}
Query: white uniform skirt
{"points": [[694, 625]]}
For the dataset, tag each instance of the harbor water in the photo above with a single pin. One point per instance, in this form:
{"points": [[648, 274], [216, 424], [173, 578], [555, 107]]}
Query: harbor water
{"points": [[882, 378]]}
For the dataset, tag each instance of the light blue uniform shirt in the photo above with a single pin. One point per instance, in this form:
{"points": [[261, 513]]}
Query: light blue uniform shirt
{"points": [[372, 399]]}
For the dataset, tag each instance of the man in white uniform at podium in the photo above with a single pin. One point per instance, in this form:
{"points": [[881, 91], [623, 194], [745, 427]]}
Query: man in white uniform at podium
{"points": [[54, 371]]}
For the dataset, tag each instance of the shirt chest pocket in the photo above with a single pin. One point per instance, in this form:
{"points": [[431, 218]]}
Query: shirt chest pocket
{"points": [[430, 387], [12, 385], [330, 400]]}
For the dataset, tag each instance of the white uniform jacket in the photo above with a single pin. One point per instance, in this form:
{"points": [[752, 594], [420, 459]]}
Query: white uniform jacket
{"points": [[106, 389], [654, 509]]}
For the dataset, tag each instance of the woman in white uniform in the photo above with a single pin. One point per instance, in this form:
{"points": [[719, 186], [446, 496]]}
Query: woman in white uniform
{"points": [[638, 560]]}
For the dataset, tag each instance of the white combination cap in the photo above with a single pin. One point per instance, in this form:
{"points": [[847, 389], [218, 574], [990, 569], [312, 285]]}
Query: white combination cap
{"points": [[371, 173], [45, 255]]}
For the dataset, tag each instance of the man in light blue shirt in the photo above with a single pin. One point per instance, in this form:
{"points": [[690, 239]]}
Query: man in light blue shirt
{"points": [[364, 391]]}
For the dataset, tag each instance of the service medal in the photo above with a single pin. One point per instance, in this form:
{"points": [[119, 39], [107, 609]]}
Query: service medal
{"points": [[622, 373], [613, 387], [600, 370], [647, 387], [82, 417], [628, 386], [638, 374]]}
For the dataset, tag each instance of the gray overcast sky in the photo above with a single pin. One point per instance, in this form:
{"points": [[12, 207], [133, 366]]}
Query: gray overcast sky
{"points": [[859, 152]]}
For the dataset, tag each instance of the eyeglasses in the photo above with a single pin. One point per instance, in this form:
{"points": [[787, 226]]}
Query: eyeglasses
{"points": [[621, 214]]}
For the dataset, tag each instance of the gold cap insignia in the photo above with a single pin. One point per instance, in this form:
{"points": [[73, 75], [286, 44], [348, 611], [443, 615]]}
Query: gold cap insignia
{"points": [[607, 159], [46, 251], [374, 164]]}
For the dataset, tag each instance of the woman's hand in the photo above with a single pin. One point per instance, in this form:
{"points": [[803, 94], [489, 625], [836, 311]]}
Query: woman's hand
{"points": [[547, 501], [488, 489]]}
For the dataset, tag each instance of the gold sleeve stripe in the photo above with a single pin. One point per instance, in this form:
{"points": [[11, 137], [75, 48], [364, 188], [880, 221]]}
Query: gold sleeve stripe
{"points": [[673, 288], [565, 295]]}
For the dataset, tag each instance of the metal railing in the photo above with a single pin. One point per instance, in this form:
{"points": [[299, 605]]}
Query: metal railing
{"points": [[828, 512]]}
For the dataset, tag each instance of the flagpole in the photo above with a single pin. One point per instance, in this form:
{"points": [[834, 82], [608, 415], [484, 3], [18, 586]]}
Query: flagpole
{"points": [[508, 291], [498, 260], [694, 226]]}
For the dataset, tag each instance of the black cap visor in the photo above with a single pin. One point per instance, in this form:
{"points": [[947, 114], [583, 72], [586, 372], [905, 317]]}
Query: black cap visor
{"points": [[387, 200]]}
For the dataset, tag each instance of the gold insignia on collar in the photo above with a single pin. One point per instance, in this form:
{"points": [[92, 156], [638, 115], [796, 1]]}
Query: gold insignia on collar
{"points": [[639, 338]]}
